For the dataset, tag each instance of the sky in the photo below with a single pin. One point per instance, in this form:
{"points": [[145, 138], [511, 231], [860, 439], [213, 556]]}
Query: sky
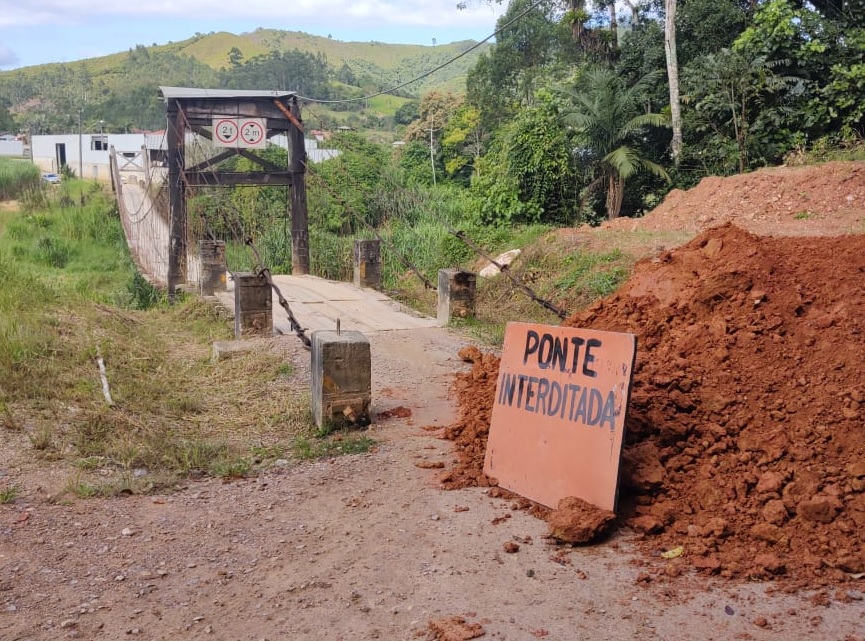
{"points": [[34, 32]]}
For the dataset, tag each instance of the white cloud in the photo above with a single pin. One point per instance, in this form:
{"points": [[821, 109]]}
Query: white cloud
{"points": [[8, 58], [332, 13]]}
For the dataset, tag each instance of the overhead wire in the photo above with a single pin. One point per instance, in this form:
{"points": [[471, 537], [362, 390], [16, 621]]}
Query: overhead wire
{"points": [[426, 74]]}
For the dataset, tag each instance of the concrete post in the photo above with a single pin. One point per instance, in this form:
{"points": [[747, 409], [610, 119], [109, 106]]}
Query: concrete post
{"points": [[456, 295], [253, 306], [341, 378], [367, 263], [213, 266]]}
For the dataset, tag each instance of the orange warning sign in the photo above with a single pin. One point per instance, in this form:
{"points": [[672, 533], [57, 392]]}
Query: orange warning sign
{"points": [[559, 413]]}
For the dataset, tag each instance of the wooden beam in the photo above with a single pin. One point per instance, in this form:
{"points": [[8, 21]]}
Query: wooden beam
{"points": [[297, 195], [211, 162], [234, 178], [269, 166], [289, 115]]}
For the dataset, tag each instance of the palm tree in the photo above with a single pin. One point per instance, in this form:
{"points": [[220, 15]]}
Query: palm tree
{"points": [[607, 116]]}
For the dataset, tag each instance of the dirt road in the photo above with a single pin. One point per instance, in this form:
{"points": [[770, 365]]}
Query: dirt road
{"points": [[359, 547]]}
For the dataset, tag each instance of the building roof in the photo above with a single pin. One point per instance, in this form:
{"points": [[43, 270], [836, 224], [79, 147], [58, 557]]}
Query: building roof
{"points": [[170, 93]]}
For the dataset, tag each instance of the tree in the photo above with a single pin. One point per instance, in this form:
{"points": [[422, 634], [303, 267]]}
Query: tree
{"points": [[235, 57], [606, 115], [734, 100], [509, 75], [463, 142], [7, 122], [529, 173], [407, 113], [346, 75], [825, 55]]}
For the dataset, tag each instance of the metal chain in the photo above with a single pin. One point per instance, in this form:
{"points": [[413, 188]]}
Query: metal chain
{"points": [[504, 269]]}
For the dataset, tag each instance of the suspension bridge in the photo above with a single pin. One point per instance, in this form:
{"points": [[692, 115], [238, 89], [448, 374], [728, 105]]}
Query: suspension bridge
{"points": [[316, 302]]}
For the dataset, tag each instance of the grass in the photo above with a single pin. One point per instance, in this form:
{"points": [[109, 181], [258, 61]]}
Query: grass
{"points": [[317, 445], [9, 493], [69, 291], [18, 177]]}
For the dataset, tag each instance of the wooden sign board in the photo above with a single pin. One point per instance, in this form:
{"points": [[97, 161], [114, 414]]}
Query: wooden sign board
{"points": [[559, 413]]}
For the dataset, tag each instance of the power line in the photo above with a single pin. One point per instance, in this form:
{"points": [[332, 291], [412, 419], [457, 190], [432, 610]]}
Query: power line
{"points": [[438, 68]]}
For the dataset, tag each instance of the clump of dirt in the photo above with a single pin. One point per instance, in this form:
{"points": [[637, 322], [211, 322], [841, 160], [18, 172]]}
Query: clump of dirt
{"points": [[454, 628], [400, 411], [576, 521], [745, 436], [475, 391]]}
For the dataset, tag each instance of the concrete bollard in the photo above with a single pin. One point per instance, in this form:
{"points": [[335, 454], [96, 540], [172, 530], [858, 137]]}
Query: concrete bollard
{"points": [[341, 378], [456, 295], [253, 305], [367, 263], [213, 267]]}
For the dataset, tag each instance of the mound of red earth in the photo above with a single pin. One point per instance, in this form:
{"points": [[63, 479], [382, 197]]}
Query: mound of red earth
{"points": [[745, 439], [813, 200]]}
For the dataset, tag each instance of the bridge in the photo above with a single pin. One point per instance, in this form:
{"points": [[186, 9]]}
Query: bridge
{"points": [[317, 303]]}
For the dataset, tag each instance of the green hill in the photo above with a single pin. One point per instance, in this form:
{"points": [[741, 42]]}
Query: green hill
{"points": [[121, 89]]}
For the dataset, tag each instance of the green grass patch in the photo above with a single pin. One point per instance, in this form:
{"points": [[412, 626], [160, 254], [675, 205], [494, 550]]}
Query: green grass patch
{"points": [[18, 177], [8, 493], [70, 292], [328, 442]]}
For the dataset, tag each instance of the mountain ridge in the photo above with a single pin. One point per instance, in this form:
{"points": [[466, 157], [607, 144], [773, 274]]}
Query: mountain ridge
{"points": [[120, 88]]}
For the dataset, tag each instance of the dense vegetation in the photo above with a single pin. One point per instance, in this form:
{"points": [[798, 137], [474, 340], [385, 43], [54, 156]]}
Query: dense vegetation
{"points": [[568, 119]]}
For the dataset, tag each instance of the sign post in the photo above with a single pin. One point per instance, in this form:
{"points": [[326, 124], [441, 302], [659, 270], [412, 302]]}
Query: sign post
{"points": [[558, 418]]}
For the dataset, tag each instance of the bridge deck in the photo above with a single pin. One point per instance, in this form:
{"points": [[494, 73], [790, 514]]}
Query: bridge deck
{"points": [[317, 303]]}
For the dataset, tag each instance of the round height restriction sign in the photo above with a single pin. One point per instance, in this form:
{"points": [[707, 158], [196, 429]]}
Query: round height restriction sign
{"points": [[226, 131], [252, 132]]}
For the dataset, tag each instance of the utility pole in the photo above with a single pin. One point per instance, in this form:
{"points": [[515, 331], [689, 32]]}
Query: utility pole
{"points": [[80, 147], [432, 160]]}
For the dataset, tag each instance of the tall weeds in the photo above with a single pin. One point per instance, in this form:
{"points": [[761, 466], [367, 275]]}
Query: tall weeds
{"points": [[18, 177]]}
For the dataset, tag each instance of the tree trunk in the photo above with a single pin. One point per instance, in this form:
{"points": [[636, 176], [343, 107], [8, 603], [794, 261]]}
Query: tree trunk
{"points": [[615, 196], [673, 78], [614, 28], [635, 12], [577, 7]]}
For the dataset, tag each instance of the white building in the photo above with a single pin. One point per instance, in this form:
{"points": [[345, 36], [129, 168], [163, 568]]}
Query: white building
{"points": [[87, 154], [134, 152]]}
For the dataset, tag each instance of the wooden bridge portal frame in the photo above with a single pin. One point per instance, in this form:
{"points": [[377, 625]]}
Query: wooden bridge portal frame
{"points": [[190, 109]]}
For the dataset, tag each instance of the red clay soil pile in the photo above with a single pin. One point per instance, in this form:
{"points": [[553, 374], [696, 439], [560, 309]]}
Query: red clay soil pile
{"points": [[745, 440], [815, 200]]}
